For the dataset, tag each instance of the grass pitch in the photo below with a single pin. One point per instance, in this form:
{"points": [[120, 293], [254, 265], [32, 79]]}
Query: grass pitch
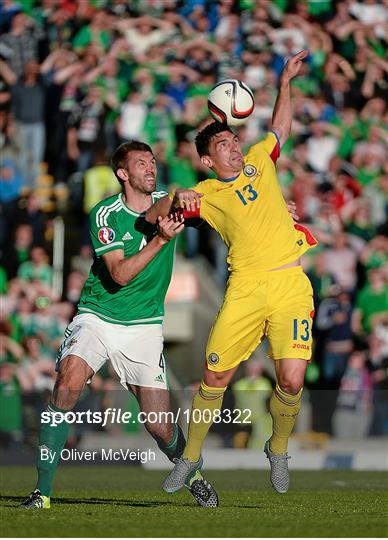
{"points": [[98, 501]]}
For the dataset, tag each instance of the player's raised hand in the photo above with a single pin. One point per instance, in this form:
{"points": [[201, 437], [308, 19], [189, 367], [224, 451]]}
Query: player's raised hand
{"points": [[187, 198], [168, 228], [293, 65]]}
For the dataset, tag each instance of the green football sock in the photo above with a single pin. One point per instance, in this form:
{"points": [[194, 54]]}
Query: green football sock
{"points": [[52, 439], [175, 447]]}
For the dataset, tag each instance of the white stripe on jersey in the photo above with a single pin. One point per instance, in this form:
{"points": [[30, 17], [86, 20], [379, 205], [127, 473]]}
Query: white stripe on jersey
{"points": [[114, 244], [101, 210], [104, 211], [107, 214]]}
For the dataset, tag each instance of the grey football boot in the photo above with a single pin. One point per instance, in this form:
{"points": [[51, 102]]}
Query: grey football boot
{"points": [[181, 474], [280, 477]]}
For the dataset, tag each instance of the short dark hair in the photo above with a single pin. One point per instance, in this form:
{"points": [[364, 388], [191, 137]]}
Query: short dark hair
{"points": [[202, 140], [119, 157]]}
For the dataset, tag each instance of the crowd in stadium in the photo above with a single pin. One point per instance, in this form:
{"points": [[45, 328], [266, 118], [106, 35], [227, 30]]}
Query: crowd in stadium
{"points": [[79, 77]]}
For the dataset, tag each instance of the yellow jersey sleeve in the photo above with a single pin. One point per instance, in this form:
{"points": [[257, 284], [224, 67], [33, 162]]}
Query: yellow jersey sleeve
{"points": [[270, 145]]}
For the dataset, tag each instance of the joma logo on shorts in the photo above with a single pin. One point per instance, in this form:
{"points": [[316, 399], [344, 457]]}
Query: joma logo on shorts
{"points": [[301, 346]]}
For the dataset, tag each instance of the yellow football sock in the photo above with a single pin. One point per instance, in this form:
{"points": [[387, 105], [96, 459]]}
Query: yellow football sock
{"points": [[284, 409], [206, 399]]}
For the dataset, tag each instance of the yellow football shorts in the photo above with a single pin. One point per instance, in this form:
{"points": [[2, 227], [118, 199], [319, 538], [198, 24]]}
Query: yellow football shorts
{"points": [[277, 304]]}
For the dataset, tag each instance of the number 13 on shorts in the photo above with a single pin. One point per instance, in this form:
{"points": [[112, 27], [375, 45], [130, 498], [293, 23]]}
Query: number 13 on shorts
{"points": [[301, 330]]}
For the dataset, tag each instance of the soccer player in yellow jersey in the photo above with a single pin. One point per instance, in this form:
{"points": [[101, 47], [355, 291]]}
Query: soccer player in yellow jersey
{"points": [[267, 294]]}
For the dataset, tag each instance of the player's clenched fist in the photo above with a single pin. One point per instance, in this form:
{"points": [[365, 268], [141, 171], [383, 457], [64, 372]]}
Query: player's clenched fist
{"points": [[168, 228], [187, 198]]}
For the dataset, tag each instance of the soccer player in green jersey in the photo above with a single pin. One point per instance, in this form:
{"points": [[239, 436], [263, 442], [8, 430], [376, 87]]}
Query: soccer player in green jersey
{"points": [[119, 317]]}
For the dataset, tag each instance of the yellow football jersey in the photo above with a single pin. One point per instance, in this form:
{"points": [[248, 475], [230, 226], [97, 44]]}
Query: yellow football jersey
{"points": [[250, 213]]}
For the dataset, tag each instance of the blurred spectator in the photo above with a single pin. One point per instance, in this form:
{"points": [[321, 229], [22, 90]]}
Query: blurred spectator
{"points": [[252, 393], [321, 146], [28, 106], [371, 304], [82, 262], [37, 267], [11, 415], [99, 182], [376, 193], [133, 113], [10, 350], [352, 417], [98, 32], [334, 317], [321, 279], [45, 324], [20, 44], [114, 90], [17, 251], [3, 281], [144, 32], [375, 253], [36, 369], [341, 262], [378, 367], [11, 183], [75, 282], [86, 136]]}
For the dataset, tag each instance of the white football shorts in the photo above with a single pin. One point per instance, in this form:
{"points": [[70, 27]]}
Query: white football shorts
{"points": [[136, 352]]}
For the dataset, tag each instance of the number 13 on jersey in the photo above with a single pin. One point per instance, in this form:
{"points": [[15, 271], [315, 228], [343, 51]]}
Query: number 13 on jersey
{"points": [[248, 195]]}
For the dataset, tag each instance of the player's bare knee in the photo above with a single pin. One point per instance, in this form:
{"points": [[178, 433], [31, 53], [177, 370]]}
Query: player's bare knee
{"points": [[71, 379], [217, 379], [291, 384]]}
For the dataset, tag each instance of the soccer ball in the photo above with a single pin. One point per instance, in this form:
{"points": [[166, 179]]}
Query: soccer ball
{"points": [[230, 101]]}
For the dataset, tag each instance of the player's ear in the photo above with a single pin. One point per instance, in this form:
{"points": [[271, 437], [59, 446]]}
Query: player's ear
{"points": [[122, 174], [206, 160]]}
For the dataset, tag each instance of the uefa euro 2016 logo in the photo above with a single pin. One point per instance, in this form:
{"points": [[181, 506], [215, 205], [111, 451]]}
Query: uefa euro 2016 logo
{"points": [[106, 235]]}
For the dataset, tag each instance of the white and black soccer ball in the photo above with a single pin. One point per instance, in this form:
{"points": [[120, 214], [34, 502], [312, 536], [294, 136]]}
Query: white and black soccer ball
{"points": [[231, 101]]}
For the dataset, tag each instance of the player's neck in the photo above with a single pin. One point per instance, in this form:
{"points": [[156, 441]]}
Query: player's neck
{"points": [[136, 201], [227, 174]]}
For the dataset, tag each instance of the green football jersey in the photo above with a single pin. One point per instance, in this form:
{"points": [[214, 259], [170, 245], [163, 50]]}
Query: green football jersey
{"points": [[141, 301]]}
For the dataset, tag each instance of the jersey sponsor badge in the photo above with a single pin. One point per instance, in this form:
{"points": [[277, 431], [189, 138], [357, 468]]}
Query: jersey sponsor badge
{"points": [[106, 235], [127, 236], [249, 170], [213, 358]]}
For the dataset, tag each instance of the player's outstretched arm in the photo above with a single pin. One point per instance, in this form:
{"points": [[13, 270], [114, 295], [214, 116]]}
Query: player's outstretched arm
{"points": [[161, 208], [122, 269], [183, 198], [282, 113]]}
